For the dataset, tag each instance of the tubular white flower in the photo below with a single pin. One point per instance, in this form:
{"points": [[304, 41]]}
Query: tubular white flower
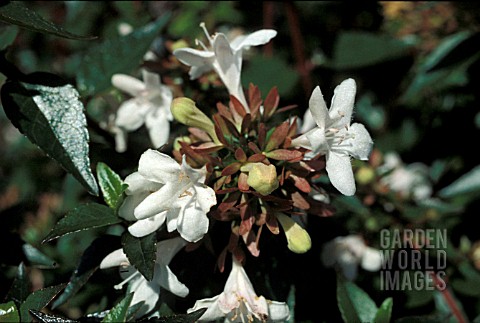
{"points": [[144, 290], [335, 137], [162, 190], [150, 105], [347, 253], [239, 303], [224, 57]]}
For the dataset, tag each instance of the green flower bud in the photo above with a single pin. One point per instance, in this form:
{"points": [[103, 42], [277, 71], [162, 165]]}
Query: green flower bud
{"points": [[185, 111], [297, 237], [263, 178]]}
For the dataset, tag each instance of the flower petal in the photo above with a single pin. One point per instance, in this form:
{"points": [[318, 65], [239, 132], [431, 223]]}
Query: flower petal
{"points": [[372, 259], [256, 38], [194, 57], [157, 202], [318, 108], [131, 114], [144, 291], [168, 280], [339, 169], [213, 310], [228, 65], [343, 101], [139, 184], [130, 203], [158, 128], [128, 84], [197, 71], [113, 259], [151, 80], [361, 142], [278, 311], [192, 223], [167, 249], [146, 226], [158, 167]]}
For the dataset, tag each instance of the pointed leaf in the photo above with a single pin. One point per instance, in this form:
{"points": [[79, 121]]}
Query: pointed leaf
{"points": [[240, 155], [118, 55], [52, 117], [179, 318], [141, 252], [111, 185], [36, 257], [119, 312], [384, 313], [278, 136], [38, 300], [7, 36], [21, 286], [48, 318], [9, 312], [467, 183], [231, 169], [15, 12], [271, 102], [86, 216], [355, 305], [285, 154]]}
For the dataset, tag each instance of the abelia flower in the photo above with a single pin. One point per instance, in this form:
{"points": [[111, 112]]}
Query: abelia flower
{"points": [[164, 191], [335, 137], [149, 105], [224, 57], [144, 290], [239, 302], [349, 252]]}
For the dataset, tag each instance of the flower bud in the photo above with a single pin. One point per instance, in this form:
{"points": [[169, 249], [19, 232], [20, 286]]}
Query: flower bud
{"points": [[297, 237], [263, 178], [185, 111]]}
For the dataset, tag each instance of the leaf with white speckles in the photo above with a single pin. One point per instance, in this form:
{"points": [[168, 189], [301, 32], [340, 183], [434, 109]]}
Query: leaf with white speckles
{"points": [[53, 118]]}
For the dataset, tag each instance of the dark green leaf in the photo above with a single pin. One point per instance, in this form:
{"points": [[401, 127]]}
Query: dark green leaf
{"points": [[119, 312], [360, 49], [9, 312], [52, 117], [141, 252], [36, 257], [111, 185], [14, 12], [46, 318], [38, 300], [180, 318], [21, 286], [355, 305], [7, 36], [73, 286], [86, 216], [119, 55], [467, 183], [384, 313]]}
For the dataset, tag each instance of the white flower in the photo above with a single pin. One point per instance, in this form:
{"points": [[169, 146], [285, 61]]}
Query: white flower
{"points": [[349, 252], [239, 303], [162, 190], [407, 180], [144, 290], [335, 137], [224, 57], [150, 105]]}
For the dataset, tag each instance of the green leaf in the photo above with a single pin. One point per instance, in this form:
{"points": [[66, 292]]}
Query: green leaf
{"points": [[119, 312], [384, 313], [7, 36], [14, 12], [468, 183], [118, 55], [141, 253], [38, 300], [111, 185], [86, 216], [355, 305], [20, 287], [52, 117], [179, 318], [36, 257], [46, 318], [354, 49], [9, 312]]}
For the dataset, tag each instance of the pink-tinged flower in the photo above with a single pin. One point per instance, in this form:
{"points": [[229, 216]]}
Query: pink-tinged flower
{"points": [[149, 105], [347, 253], [224, 57], [335, 137], [144, 290], [164, 191], [239, 303]]}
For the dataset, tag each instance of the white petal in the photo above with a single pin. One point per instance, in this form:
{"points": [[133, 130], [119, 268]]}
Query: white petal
{"points": [[192, 223], [167, 249], [197, 71], [168, 280], [318, 141], [157, 202], [257, 38], [144, 227], [228, 65], [151, 80], [113, 259], [372, 259], [318, 108], [278, 311], [128, 84], [308, 123], [343, 101], [158, 167], [339, 169], [158, 128], [205, 197], [131, 114], [194, 57], [130, 203], [120, 140], [361, 142], [139, 184], [213, 310], [302, 141], [147, 292]]}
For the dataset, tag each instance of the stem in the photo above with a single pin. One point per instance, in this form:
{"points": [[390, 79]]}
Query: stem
{"points": [[448, 297]]}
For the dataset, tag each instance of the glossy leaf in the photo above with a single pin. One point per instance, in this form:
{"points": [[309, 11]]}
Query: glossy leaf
{"points": [[179, 318], [53, 118], [15, 12], [36, 257], [21, 286], [110, 184], [141, 252], [355, 305], [119, 312], [86, 216], [118, 55], [38, 300], [467, 183], [9, 312], [48, 318]]}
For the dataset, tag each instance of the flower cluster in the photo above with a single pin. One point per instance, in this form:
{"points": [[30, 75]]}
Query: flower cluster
{"points": [[246, 163]]}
